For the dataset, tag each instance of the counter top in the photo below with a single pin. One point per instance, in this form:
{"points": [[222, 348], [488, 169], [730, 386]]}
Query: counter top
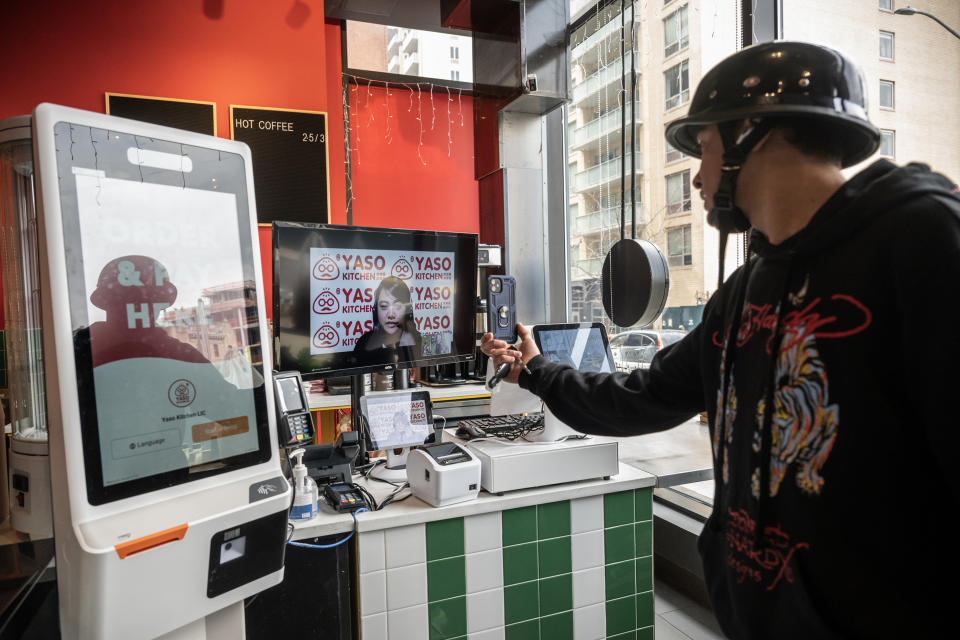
{"points": [[676, 456], [414, 511]]}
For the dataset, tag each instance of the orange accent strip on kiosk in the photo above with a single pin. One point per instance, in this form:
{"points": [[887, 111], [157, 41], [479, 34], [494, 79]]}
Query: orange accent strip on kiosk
{"points": [[150, 541]]}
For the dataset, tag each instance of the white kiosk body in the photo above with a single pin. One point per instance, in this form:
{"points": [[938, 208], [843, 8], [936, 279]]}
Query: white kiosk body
{"points": [[169, 502]]}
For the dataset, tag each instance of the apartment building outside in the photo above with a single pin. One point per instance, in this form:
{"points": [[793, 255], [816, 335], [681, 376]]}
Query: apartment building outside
{"points": [[673, 46], [429, 54], [911, 65]]}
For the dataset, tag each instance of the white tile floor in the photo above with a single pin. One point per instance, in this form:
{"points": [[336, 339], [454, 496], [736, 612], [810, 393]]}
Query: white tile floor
{"points": [[680, 618]]}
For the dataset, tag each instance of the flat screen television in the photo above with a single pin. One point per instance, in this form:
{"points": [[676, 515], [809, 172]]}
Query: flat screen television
{"points": [[352, 300]]}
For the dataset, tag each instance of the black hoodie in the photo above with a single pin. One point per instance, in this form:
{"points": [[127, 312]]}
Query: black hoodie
{"points": [[835, 491]]}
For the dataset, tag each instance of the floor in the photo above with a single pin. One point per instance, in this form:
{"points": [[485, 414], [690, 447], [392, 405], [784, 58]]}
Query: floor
{"points": [[681, 618]]}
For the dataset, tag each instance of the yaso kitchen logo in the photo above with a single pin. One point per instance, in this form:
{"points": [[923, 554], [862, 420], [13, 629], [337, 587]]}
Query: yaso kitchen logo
{"points": [[182, 393]]}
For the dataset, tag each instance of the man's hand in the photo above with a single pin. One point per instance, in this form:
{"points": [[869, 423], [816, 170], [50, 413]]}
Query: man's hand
{"points": [[517, 356]]}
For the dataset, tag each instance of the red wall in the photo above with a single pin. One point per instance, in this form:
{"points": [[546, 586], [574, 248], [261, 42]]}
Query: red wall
{"points": [[249, 52], [409, 172]]}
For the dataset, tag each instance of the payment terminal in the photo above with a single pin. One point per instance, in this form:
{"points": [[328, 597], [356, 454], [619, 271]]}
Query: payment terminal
{"points": [[295, 426]]}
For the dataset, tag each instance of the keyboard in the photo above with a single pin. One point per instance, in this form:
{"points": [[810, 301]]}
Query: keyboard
{"points": [[508, 426]]}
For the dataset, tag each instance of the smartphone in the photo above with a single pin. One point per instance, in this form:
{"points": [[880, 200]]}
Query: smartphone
{"points": [[502, 307]]}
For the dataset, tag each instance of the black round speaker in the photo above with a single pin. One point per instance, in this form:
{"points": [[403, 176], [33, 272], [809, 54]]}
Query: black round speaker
{"points": [[636, 282]]}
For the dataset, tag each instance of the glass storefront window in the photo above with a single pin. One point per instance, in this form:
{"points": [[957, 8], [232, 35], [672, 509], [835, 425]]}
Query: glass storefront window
{"points": [[596, 155], [679, 41]]}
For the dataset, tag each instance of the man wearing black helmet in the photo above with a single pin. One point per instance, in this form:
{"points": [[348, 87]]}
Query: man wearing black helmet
{"points": [[830, 416]]}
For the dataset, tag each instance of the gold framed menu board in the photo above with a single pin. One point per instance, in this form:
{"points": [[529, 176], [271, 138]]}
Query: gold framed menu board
{"points": [[290, 161], [192, 115]]}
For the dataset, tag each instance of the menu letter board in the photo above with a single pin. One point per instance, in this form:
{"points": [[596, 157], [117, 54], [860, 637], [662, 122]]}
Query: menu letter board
{"points": [[290, 169], [191, 115]]}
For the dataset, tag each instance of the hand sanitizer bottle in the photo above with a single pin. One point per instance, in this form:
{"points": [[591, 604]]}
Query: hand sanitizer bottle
{"points": [[305, 502]]}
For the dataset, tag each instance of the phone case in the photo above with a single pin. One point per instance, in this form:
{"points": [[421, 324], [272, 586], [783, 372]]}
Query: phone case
{"points": [[502, 308]]}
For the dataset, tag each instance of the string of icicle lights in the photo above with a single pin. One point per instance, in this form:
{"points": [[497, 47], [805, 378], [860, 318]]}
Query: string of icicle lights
{"points": [[360, 96]]}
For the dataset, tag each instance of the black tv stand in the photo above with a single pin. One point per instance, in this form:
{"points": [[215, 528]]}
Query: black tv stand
{"points": [[357, 392]]}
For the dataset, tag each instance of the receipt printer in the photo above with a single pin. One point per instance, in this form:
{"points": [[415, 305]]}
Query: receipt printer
{"points": [[443, 473]]}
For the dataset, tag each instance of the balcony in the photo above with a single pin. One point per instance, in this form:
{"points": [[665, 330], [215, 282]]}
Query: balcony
{"points": [[611, 28], [597, 81], [411, 42], [607, 123], [394, 65], [603, 173], [393, 45], [411, 65], [605, 220]]}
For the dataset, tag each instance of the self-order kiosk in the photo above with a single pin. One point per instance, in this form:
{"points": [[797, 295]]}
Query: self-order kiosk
{"points": [[169, 502]]}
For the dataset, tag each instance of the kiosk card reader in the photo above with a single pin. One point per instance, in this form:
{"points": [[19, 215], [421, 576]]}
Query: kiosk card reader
{"points": [[169, 503], [296, 424]]}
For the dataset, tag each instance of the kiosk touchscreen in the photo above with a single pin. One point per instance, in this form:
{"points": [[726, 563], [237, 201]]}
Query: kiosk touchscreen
{"points": [[169, 502]]}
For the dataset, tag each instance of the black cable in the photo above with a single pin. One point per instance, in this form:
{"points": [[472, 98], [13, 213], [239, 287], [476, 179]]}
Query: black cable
{"points": [[293, 494], [528, 425], [623, 125], [393, 496], [371, 501], [633, 120]]}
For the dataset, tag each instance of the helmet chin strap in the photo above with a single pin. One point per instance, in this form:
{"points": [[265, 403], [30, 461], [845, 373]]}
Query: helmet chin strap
{"points": [[726, 216]]}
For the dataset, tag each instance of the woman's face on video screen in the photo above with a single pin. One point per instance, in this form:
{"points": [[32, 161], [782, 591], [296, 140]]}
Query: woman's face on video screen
{"points": [[390, 312]]}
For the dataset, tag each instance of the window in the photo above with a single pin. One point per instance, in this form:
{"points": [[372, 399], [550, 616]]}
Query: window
{"points": [[886, 94], [679, 247], [886, 45], [675, 34], [455, 74], [886, 5], [888, 143], [674, 154], [676, 81], [594, 150], [405, 53], [678, 192]]}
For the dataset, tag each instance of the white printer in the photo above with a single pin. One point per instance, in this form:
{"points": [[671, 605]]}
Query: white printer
{"points": [[443, 473]]}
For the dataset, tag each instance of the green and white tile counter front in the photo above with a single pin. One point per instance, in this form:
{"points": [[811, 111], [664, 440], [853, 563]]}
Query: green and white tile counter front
{"points": [[564, 562]]}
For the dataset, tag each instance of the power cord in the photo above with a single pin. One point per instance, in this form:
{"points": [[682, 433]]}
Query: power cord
{"points": [[392, 498]]}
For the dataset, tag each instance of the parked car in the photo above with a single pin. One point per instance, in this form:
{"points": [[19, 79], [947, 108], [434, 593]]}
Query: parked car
{"points": [[634, 349]]}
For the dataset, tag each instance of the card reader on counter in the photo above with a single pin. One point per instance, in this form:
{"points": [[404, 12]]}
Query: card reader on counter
{"points": [[443, 473]]}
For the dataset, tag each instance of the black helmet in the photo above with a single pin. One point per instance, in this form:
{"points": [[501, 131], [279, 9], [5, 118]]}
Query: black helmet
{"points": [[782, 79]]}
